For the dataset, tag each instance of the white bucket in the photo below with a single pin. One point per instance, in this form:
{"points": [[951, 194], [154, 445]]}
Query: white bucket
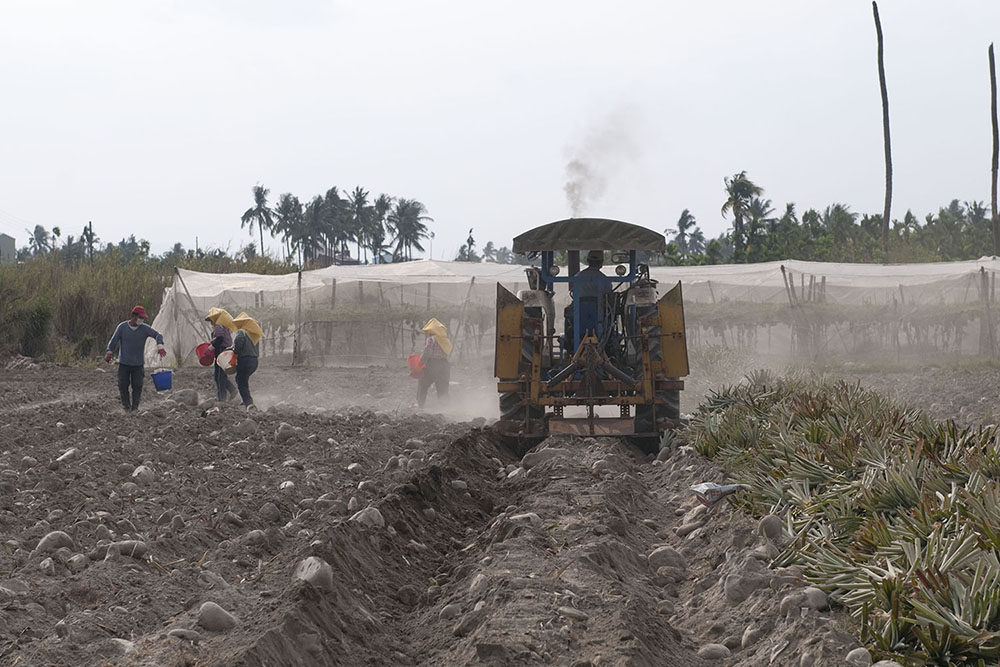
{"points": [[226, 360]]}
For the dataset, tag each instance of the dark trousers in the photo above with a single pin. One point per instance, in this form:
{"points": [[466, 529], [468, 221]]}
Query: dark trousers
{"points": [[224, 387], [245, 366], [130, 376], [437, 373]]}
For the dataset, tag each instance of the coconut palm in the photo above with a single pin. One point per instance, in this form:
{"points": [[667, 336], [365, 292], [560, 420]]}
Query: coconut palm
{"points": [[39, 240], [336, 222], [359, 211], [89, 240], [258, 214], [407, 220], [377, 225], [740, 190], [683, 232], [287, 220]]}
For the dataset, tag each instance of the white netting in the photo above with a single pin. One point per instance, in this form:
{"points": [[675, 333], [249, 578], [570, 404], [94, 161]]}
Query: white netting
{"points": [[371, 314]]}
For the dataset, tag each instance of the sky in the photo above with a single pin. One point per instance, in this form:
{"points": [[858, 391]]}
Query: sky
{"points": [[157, 118]]}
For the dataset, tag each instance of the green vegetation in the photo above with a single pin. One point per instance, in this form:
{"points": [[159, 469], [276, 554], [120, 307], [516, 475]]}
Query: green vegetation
{"points": [[61, 303], [895, 516]]}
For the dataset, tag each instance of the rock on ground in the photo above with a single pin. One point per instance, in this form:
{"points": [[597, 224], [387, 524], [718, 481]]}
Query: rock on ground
{"points": [[316, 571], [213, 617]]}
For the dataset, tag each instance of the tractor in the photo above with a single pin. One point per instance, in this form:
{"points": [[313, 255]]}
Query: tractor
{"points": [[615, 343]]}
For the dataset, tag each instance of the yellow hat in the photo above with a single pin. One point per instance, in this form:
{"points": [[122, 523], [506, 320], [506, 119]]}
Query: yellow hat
{"points": [[439, 333], [221, 316], [249, 324]]}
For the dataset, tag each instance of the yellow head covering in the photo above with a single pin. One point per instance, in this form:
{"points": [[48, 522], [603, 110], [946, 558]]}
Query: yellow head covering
{"points": [[221, 316], [439, 333], [249, 324]]}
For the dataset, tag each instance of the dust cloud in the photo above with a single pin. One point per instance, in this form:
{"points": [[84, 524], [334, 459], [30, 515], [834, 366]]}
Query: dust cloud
{"points": [[607, 147]]}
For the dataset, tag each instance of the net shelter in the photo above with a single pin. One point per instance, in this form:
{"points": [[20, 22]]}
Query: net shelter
{"points": [[373, 314]]}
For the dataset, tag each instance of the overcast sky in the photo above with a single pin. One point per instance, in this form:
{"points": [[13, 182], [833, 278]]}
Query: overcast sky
{"points": [[157, 118]]}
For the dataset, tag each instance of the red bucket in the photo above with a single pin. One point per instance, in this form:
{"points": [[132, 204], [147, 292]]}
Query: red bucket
{"points": [[205, 354], [416, 368]]}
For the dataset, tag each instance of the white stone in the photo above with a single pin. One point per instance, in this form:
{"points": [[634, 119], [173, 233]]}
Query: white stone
{"points": [[459, 485], [369, 516], [354, 468], [143, 474], [316, 571], [287, 485], [527, 517], [70, 454]]}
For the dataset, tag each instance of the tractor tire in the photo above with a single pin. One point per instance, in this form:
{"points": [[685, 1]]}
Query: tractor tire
{"points": [[671, 405], [512, 409]]}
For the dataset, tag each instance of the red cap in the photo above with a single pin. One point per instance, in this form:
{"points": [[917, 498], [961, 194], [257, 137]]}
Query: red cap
{"points": [[140, 311]]}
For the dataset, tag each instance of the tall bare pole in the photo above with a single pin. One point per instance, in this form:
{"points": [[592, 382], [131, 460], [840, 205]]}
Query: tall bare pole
{"points": [[886, 209], [996, 153]]}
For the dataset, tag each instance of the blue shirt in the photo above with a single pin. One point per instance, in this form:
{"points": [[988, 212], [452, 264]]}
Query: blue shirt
{"points": [[133, 342]]}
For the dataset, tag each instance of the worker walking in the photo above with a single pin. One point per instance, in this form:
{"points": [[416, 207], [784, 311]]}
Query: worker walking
{"points": [[130, 336], [245, 348], [437, 368], [222, 339]]}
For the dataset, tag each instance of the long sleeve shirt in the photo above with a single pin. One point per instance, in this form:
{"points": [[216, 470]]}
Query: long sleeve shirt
{"points": [[243, 346], [222, 338], [133, 342]]}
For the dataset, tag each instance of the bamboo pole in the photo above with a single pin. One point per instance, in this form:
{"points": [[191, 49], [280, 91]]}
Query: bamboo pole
{"points": [[298, 322]]}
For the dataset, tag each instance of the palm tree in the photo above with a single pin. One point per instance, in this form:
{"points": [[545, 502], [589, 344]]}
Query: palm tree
{"points": [[89, 240], [258, 214], [377, 225], [288, 218], [311, 230], [741, 191], [681, 234], [407, 219], [335, 222], [360, 211], [39, 240]]}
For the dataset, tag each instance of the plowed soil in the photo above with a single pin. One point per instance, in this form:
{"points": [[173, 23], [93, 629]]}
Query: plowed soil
{"points": [[481, 558]]}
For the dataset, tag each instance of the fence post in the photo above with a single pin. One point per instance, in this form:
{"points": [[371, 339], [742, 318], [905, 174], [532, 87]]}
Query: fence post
{"points": [[298, 322]]}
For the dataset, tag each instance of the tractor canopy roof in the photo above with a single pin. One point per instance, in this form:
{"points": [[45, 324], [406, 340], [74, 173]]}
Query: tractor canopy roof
{"points": [[589, 234]]}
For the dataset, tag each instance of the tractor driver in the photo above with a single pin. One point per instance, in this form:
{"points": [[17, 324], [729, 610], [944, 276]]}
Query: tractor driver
{"points": [[590, 292]]}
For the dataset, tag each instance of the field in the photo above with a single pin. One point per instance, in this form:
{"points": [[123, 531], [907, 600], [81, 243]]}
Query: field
{"points": [[584, 553]]}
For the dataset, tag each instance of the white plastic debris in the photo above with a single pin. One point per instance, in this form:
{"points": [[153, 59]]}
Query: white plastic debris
{"points": [[710, 493]]}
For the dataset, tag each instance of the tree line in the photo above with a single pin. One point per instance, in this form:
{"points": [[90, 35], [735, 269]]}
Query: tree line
{"points": [[389, 228], [329, 227]]}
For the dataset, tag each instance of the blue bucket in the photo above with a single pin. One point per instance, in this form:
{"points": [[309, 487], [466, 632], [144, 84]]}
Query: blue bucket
{"points": [[163, 379]]}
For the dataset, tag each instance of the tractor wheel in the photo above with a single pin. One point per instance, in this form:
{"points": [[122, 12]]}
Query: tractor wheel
{"points": [[513, 410], [671, 405]]}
